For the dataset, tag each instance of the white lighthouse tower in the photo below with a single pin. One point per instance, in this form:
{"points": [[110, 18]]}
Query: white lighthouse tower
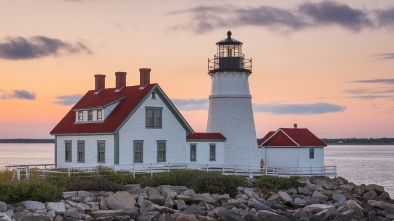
{"points": [[230, 103]]}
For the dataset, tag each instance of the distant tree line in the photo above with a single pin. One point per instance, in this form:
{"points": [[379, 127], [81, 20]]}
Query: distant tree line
{"points": [[359, 140], [27, 140]]}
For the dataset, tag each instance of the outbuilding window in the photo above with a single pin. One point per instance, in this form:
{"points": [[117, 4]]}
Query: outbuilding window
{"points": [[311, 153], [161, 151], [68, 151], [101, 151], [212, 152], [193, 152], [138, 151]]}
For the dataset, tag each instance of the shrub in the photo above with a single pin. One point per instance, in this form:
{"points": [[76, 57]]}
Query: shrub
{"points": [[12, 192], [217, 183], [93, 183], [277, 183], [174, 178]]}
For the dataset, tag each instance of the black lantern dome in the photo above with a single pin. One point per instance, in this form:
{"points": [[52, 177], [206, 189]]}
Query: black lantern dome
{"points": [[229, 57]]}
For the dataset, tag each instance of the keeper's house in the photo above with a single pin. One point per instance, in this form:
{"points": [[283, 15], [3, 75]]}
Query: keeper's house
{"points": [[292, 147], [129, 125]]}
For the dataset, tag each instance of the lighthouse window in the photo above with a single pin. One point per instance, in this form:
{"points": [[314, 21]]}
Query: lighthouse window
{"points": [[153, 117]]}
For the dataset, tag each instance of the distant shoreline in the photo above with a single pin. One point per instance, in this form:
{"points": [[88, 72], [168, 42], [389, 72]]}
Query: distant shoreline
{"points": [[27, 140]]}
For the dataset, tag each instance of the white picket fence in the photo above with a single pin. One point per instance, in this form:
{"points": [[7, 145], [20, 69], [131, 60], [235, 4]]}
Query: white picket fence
{"points": [[239, 170]]}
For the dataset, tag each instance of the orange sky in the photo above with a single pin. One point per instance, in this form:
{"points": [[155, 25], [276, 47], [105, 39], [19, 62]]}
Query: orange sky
{"points": [[325, 65]]}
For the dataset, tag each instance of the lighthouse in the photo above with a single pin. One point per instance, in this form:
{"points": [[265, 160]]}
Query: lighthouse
{"points": [[230, 103]]}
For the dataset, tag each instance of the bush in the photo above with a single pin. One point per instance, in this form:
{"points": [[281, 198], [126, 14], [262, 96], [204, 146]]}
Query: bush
{"points": [[219, 184], [174, 178], [277, 183], [93, 183], [13, 192]]}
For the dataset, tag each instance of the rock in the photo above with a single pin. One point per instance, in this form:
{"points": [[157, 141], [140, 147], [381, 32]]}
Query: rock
{"points": [[146, 206], [132, 213], [257, 205], [347, 187], [85, 194], [312, 186], [133, 187], [268, 215], [220, 197], [285, 197], [316, 208], [181, 205], [370, 194], [229, 215], [34, 206], [339, 198], [157, 199], [164, 209], [319, 195], [274, 197], [380, 204], [5, 217], [151, 191], [378, 189], [201, 197], [67, 195], [350, 215], [385, 195], [83, 207], [196, 210], [353, 205], [328, 193], [94, 206], [183, 197], [359, 190], [166, 217], [58, 207], [120, 200], [103, 204], [340, 181], [3, 207], [299, 201], [149, 216], [185, 217], [324, 181], [72, 215], [303, 190]]}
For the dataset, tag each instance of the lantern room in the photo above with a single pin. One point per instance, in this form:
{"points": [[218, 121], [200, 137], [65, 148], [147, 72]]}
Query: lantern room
{"points": [[229, 57]]}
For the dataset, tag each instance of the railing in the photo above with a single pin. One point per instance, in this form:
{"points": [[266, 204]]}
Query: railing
{"points": [[219, 63], [239, 170]]}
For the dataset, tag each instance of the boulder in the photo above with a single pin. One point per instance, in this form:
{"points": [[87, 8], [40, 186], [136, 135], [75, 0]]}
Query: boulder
{"points": [[3, 207], [94, 206], [202, 197], [268, 215], [220, 197], [378, 189], [29, 216], [385, 195], [186, 217], [285, 197], [340, 181], [380, 204], [339, 198], [151, 191], [350, 215], [359, 190], [120, 200], [319, 195], [166, 217], [67, 195], [274, 197], [157, 199], [312, 186], [146, 206], [103, 204], [183, 197], [58, 207], [303, 190], [196, 210], [181, 205], [85, 194], [324, 181], [34, 206], [133, 188], [328, 193], [316, 208], [347, 187], [132, 213], [370, 194], [5, 217], [149, 216], [353, 205]]}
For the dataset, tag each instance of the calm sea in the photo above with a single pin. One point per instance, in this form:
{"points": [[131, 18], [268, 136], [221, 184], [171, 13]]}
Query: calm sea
{"points": [[357, 163]]}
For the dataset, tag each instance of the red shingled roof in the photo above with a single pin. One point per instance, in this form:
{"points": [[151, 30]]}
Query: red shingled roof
{"points": [[131, 96], [291, 137], [206, 136]]}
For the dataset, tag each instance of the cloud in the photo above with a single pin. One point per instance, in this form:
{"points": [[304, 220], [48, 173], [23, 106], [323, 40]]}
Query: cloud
{"points": [[298, 109], [307, 15], [18, 48], [382, 81], [191, 104], [333, 13], [17, 94], [68, 100], [369, 91], [384, 56], [370, 97], [385, 17]]}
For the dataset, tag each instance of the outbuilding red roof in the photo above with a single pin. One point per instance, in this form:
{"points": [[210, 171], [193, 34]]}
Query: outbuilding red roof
{"points": [[206, 136], [130, 97], [285, 137]]}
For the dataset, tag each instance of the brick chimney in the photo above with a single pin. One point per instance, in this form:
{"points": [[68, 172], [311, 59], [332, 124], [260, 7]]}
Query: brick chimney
{"points": [[120, 79], [295, 126], [144, 76], [99, 82]]}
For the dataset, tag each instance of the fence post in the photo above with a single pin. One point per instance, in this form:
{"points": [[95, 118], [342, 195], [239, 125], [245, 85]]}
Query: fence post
{"points": [[151, 170], [207, 168], [168, 167], [18, 174], [133, 171], [69, 172], [236, 170], [223, 170], [27, 172]]}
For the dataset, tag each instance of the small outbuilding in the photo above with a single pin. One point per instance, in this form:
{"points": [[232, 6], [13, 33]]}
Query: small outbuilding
{"points": [[292, 147]]}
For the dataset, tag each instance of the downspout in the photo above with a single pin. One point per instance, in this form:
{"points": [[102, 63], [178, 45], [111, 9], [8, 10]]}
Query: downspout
{"points": [[116, 148]]}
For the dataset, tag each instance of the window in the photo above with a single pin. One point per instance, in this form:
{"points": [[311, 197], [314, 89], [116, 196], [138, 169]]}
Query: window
{"points": [[68, 149], [81, 151], [80, 115], [101, 151], [138, 151], [161, 151], [153, 117], [90, 115], [212, 152], [311, 153], [153, 96], [99, 114], [193, 148]]}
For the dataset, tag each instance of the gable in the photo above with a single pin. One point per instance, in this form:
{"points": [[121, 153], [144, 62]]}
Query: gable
{"points": [[279, 139], [291, 137]]}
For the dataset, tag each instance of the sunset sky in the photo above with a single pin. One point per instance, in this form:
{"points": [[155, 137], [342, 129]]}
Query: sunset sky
{"points": [[325, 65]]}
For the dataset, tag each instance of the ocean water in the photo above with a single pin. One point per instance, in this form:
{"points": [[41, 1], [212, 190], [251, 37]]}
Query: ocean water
{"points": [[357, 163]]}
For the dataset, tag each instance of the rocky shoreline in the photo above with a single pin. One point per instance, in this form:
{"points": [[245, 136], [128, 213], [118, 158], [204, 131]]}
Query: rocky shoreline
{"points": [[321, 198]]}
